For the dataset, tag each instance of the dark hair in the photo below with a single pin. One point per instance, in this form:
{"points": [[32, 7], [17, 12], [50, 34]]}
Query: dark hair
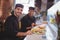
{"points": [[19, 5], [12, 12], [58, 13], [31, 8]]}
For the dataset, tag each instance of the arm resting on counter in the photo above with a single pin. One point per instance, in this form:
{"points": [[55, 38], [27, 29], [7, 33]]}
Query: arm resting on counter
{"points": [[21, 34], [24, 33]]}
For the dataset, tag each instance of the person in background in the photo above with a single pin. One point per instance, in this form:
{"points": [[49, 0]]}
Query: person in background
{"points": [[12, 12], [58, 23], [28, 21], [12, 24]]}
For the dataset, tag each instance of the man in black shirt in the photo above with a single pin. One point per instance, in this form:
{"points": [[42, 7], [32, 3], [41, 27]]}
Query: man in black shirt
{"points": [[28, 20], [12, 24]]}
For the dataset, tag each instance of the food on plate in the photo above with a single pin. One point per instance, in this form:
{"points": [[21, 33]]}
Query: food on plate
{"points": [[38, 29], [45, 22], [42, 26]]}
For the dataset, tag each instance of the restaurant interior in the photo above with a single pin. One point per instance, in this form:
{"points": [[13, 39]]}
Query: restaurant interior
{"points": [[45, 11]]}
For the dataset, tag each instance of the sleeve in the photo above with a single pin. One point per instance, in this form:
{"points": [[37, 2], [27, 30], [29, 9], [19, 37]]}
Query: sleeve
{"points": [[34, 19], [23, 25], [10, 28]]}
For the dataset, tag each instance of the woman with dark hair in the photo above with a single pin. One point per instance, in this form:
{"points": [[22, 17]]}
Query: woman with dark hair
{"points": [[58, 23], [58, 18]]}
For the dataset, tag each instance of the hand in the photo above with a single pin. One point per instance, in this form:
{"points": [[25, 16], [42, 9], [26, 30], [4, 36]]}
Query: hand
{"points": [[19, 34], [28, 32], [33, 24], [28, 28]]}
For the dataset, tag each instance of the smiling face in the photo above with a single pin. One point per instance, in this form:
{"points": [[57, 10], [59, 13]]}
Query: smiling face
{"points": [[31, 12], [18, 11]]}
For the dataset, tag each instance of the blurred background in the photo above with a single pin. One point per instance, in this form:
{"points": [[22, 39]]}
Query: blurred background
{"points": [[6, 6], [49, 7]]}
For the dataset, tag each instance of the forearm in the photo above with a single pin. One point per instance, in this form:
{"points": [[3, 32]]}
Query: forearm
{"points": [[24, 33], [21, 34]]}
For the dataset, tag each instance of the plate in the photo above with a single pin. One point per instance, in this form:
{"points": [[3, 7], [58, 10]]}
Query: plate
{"points": [[40, 29]]}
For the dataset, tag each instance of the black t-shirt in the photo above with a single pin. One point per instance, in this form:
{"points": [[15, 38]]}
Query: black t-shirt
{"points": [[26, 21], [11, 26]]}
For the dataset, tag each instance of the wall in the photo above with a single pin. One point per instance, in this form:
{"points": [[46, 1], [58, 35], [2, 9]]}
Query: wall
{"points": [[5, 9]]}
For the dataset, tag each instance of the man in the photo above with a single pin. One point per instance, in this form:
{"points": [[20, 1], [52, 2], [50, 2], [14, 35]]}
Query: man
{"points": [[11, 24], [28, 20]]}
